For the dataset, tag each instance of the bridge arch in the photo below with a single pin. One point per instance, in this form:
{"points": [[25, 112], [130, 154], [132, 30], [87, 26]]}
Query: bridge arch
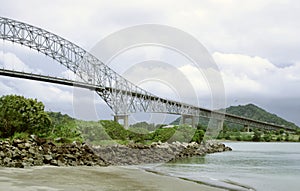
{"points": [[122, 96]]}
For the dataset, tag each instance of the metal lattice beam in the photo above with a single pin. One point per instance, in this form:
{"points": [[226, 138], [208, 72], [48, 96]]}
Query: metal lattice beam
{"points": [[122, 96]]}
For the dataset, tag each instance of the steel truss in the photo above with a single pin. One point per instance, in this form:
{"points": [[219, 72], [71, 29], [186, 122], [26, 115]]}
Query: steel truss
{"points": [[122, 96]]}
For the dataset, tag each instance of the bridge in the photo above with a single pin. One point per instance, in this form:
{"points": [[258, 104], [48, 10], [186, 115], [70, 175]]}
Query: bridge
{"points": [[122, 96]]}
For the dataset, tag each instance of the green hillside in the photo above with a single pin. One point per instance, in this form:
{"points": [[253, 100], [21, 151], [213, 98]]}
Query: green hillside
{"points": [[250, 111], [254, 112]]}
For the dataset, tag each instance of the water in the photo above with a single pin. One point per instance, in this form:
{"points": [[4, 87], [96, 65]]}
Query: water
{"points": [[250, 166]]}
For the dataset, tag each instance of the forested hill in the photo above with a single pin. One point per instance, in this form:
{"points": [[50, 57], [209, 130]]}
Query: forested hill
{"points": [[254, 112], [250, 111]]}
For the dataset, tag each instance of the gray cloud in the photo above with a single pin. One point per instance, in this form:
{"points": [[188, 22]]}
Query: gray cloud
{"points": [[255, 43]]}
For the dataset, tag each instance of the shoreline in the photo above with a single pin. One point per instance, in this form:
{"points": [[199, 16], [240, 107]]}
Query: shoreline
{"points": [[103, 178], [224, 185], [34, 152], [22, 158]]}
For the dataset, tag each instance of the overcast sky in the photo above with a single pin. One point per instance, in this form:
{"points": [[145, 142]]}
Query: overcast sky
{"points": [[255, 44]]}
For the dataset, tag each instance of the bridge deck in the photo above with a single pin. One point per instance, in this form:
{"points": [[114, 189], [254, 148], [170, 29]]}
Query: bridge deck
{"points": [[206, 112]]}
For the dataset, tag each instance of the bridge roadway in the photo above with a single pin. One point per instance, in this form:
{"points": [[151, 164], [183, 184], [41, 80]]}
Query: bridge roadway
{"points": [[247, 122]]}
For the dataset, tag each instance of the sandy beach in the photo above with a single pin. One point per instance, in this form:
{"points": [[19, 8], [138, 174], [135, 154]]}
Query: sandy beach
{"points": [[110, 178]]}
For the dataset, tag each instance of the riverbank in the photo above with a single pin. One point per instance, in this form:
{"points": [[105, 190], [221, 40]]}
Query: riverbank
{"points": [[38, 152], [92, 178]]}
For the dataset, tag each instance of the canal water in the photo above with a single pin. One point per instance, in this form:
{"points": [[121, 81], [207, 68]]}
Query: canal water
{"points": [[250, 166]]}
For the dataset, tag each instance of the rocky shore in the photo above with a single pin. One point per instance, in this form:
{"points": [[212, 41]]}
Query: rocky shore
{"points": [[134, 154], [37, 152]]}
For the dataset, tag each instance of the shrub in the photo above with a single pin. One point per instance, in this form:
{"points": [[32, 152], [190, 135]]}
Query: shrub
{"points": [[63, 126], [198, 136], [92, 131], [163, 134], [114, 129], [19, 114], [138, 134]]}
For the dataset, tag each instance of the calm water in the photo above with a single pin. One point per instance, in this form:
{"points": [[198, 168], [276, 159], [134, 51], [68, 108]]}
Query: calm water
{"points": [[250, 166]]}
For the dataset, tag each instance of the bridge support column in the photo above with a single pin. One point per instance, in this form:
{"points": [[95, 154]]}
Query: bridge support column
{"points": [[246, 127], [123, 117], [185, 117]]}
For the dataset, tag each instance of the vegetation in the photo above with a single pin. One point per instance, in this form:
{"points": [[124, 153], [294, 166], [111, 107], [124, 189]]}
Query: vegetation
{"points": [[238, 133], [254, 112], [21, 117], [65, 127]]}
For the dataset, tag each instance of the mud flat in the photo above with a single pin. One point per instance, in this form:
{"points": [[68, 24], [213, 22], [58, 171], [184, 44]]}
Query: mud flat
{"points": [[96, 178]]}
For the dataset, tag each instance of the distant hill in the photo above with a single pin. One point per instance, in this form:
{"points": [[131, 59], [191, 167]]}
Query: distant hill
{"points": [[250, 111], [254, 112]]}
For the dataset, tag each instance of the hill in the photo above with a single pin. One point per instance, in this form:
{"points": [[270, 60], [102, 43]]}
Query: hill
{"points": [[250, 111], [254, 112]]}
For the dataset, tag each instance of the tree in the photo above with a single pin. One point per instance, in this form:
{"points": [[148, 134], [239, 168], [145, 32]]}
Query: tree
{"points": [[145, 125], [163, 134], [138, 134], [198, 136], [19, 114], [63, 126], [257, 136], [114, 130]]}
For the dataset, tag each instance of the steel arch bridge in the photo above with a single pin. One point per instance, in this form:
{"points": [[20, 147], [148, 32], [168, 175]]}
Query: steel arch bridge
{"points": [[122, 96]]}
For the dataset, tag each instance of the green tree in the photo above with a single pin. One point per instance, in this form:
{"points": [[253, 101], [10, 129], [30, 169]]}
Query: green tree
{"points": [[257, 136], [63, 126], [138, 134], [19, 114], [114, 130], [145, 125], [298, 131], [163, 134], [198, 137]]}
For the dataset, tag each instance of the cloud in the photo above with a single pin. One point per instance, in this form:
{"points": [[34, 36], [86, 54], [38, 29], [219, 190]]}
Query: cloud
{"points": [[4, 89], [255, 76], [10, 61], [266, 29], [255, 43], [50, 94]]}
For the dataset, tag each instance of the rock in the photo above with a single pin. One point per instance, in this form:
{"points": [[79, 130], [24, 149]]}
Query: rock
{"points": [[2, 154], [27, 145], [48, 158], [36, 152], [60, 163], [31, 151], [54, 162], [17, 141], [18, 165], [61, 140], [70, 156], [6, 160]]}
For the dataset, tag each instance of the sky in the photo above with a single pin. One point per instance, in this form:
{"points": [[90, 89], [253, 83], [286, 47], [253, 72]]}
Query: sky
{"points": [[255, 44]]}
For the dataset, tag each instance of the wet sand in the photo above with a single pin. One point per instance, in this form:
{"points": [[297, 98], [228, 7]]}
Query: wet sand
{"points": [[92, 179]]}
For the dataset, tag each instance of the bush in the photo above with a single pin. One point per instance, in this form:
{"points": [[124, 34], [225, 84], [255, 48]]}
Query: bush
{"points": [[144, 125], [114, 129], [198, 136], [19, 114], [92, 131], [257, 136], [138, 134], [63, 126], [22, 135], [163, 134]]}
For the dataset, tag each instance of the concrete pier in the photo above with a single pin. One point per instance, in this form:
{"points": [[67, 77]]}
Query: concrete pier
{"points": [[123, 117], [184, 118]]}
